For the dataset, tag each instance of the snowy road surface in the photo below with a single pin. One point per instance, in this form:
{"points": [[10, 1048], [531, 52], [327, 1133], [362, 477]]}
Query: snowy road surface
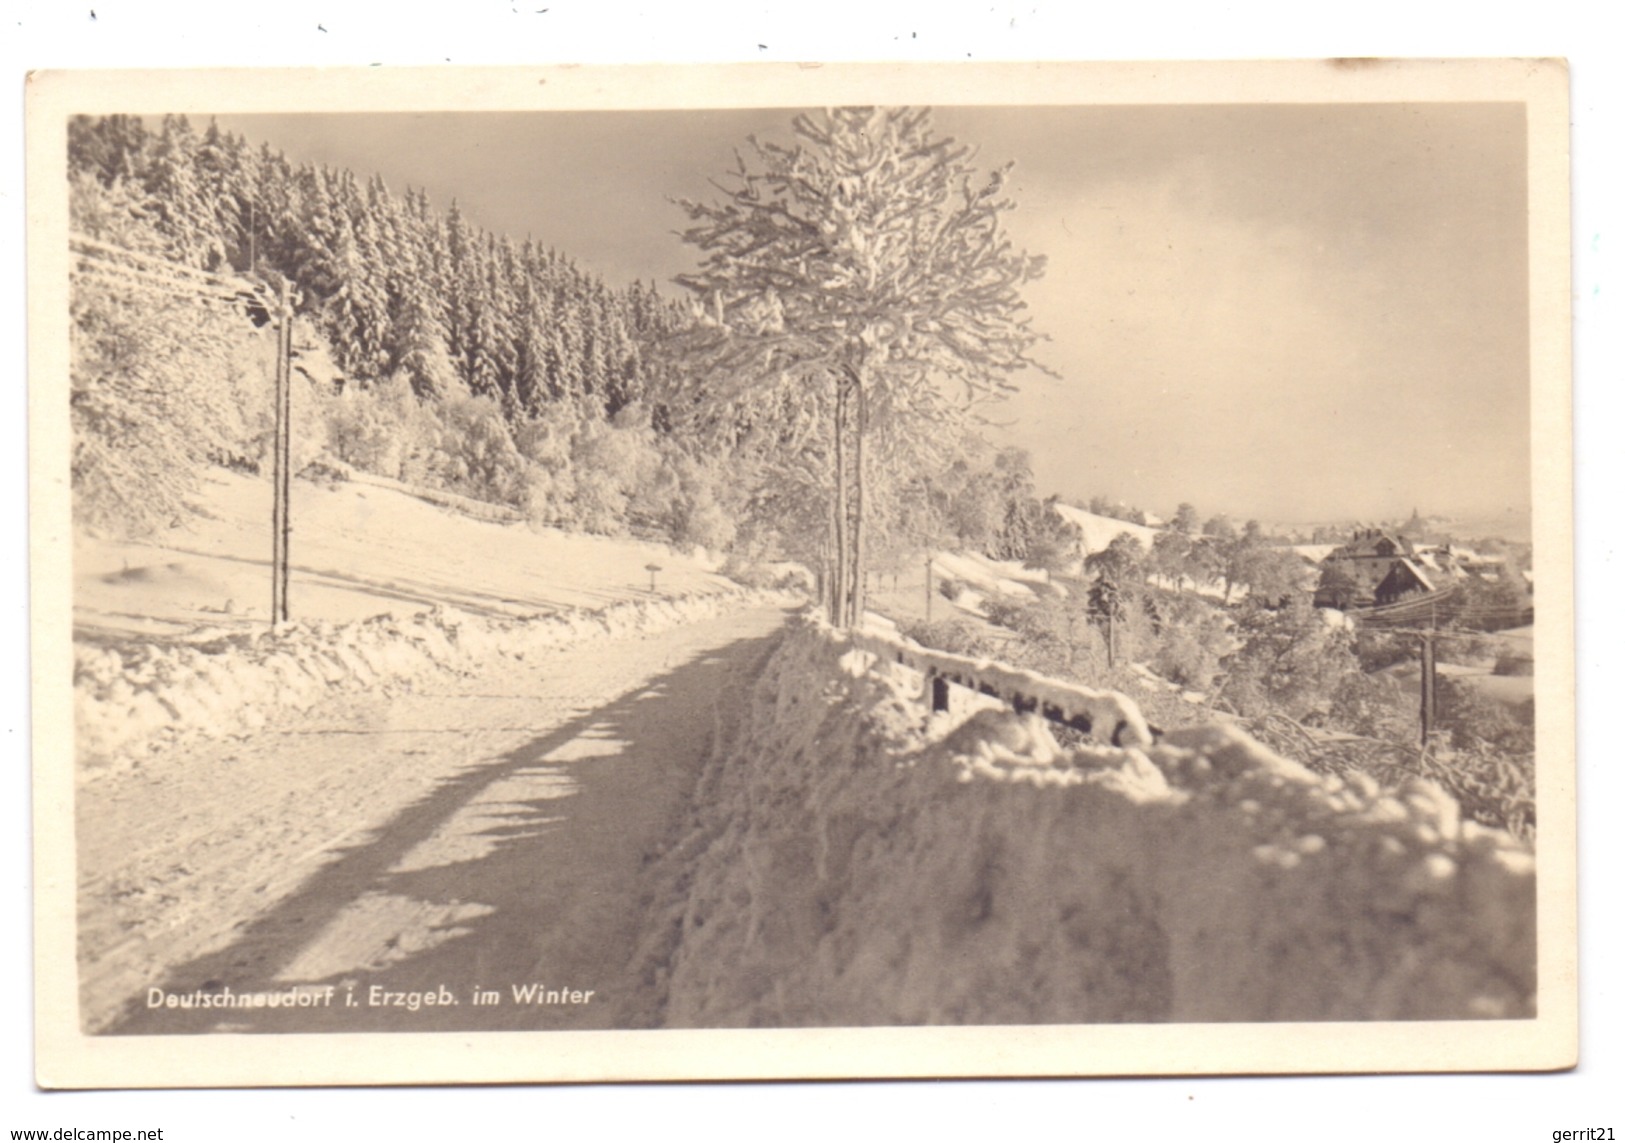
{"points": [[466, 858]]}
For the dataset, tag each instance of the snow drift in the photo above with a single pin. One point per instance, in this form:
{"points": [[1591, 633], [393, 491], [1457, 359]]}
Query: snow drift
{"points": [[130, 697], [850, 867]]}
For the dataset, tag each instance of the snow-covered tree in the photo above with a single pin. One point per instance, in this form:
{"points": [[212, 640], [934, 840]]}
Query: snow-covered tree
{"points": [[1171, 554], [1186, 520], [864, 273], [162, 382], [109, 148], [184, 209]]}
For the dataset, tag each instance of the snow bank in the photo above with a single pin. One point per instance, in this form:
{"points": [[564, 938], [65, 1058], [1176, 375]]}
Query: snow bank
{"points": [[1100, 531], [134, 696], [850, 868], [478, 509], [987, 575]]}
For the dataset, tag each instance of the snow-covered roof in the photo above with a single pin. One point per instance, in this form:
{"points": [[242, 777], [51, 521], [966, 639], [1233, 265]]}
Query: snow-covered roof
{"points": [[1417, 571], [1368, 544]]}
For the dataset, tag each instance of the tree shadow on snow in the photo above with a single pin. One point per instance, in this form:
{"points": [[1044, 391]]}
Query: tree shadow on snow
{"points": [[537, 882]]}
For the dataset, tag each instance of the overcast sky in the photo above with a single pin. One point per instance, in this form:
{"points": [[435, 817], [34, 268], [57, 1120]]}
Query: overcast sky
{"points": [[1294, 312]]}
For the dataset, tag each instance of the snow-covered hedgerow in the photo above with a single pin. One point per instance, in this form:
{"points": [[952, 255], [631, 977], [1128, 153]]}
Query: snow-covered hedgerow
{"points": [[131, 697], [851, 867]]}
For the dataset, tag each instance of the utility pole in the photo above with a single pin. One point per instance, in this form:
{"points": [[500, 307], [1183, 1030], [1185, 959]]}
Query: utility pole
{"points": [[1429, 685], [133, 271], [1430, 673], [282, 459], [929, 590]]}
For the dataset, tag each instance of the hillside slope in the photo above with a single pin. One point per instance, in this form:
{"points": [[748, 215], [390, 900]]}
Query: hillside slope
{"points": [[358, 550], [172, 639]]}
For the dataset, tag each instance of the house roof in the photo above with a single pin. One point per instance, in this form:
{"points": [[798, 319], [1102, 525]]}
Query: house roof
{"points": [[1364, 545], [1415, 570]]}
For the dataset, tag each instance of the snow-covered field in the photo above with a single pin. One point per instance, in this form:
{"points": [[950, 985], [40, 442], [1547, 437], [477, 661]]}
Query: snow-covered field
{"points": [[1100, 531], [358, 550], [171, 637]]}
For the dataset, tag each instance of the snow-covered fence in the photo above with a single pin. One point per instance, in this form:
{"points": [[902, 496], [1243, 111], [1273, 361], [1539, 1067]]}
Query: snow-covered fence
{"points": [[1105, 716]]}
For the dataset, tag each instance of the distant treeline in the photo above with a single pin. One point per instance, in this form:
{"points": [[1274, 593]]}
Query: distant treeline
{"points": [[397, 286]]}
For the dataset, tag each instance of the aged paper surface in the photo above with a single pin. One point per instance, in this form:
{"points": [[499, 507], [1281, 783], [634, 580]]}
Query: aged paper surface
{"points": [[340, 924]]}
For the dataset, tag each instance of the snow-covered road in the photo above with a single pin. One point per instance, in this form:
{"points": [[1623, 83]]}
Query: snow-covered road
{"points": [[467, 857]]}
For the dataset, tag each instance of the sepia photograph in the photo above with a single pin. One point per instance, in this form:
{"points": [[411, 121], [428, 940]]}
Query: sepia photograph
{"points": [[746, 572]]}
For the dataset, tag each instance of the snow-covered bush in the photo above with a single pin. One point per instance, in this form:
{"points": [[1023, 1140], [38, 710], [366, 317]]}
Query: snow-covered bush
{"points": [[955, 636], [587, 473], [1287, 662], [702, 523], [378, 429], [614, 461], [544, 441], [692, 501], [161, 386], [472, 453], [1192, 639]]}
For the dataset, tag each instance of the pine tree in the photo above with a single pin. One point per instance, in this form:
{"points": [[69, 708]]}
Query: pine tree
{"points": [[110, 148], [357, 313], [565, 355], [185, 216], [530, 349]]}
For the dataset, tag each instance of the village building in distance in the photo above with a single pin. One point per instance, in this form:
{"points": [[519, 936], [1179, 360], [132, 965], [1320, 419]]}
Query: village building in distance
{"points": [[1378, 567]]}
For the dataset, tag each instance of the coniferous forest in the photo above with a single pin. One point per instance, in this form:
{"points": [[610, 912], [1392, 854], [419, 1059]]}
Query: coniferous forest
{"points": [[431, 350]]}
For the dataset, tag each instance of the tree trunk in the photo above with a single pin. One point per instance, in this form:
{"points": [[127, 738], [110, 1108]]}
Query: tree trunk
{"points": [[855, 617], [838, 593]]}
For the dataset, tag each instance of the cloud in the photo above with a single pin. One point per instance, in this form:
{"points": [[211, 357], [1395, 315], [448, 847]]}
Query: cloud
{"points": [[1293, 363]]}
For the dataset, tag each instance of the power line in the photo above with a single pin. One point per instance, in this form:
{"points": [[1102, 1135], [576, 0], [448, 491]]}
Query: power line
{"points": [[165, 265], [141, 281], [100, 260]]}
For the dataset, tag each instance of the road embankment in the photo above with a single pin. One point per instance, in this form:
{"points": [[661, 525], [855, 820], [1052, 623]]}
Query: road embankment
{"points": [[848, 866], [133, 696]]}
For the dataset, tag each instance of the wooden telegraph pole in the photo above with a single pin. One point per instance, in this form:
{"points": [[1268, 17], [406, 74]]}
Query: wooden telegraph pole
{"points": [[1429, 687], [134, 272], [282, 458], [1430, 673]]}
